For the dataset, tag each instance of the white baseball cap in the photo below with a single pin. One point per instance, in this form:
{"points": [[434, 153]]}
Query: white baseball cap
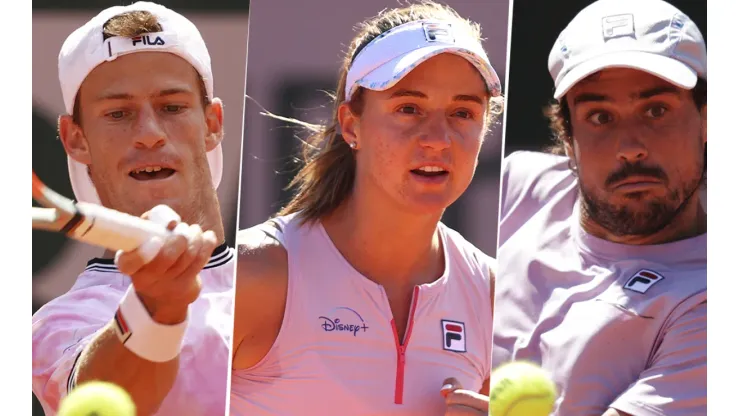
{"points": [[85, 49], [648, 35], [393, 54]]}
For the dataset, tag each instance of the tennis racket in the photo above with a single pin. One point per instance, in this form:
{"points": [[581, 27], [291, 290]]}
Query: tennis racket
{"points": [[90, 223]]}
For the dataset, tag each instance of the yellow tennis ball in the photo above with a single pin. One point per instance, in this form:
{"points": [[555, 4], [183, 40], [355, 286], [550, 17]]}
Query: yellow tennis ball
{"points": [[97, 398], [521, 388]]}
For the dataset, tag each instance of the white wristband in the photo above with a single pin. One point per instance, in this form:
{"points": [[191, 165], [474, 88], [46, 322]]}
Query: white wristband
{"points": [[143, 336]]}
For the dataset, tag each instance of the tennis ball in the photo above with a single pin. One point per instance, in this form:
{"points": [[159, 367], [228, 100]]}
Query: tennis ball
{"points": [[97, 398], [521, 388]]}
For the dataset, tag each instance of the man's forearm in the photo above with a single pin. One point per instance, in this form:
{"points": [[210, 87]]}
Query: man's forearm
{"points": [[107, 359]]}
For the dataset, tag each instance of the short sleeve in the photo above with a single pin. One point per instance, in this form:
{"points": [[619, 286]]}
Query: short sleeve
{"points": [[529, 180], [61, 330], [675, 382], [512, 182]]}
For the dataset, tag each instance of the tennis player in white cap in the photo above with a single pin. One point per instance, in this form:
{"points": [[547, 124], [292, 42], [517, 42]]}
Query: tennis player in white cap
{"points": [[355, 299], [602, 275], [143, 133]]}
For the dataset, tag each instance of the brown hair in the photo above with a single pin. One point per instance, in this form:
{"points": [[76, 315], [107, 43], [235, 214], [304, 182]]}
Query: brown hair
{"points": [[558, 115], [327, 176], [129, 25]]}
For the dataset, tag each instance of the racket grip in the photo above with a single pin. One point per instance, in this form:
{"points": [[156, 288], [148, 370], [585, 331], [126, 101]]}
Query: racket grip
{"points": [[114, 230]]}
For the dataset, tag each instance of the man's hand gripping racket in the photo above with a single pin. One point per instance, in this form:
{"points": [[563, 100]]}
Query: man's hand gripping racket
{"points": [[91, 223], [162, 255]]}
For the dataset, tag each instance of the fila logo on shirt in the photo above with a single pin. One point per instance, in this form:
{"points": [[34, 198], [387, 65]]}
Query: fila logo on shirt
{"points": [[453, 336], [643, 280]]}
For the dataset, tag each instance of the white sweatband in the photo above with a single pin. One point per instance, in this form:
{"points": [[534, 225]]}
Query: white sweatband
{"points": [[143, 336]]}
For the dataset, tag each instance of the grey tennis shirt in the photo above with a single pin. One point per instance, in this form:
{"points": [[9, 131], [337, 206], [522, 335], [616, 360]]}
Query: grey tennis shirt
{"points": [[616, 325]]}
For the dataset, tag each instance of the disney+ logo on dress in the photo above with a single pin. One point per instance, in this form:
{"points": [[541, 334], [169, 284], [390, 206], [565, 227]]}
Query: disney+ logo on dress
{"points": [[343, 321]]}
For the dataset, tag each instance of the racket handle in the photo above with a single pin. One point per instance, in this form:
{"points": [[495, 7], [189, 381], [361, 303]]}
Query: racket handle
{"points": [[114, 230]]}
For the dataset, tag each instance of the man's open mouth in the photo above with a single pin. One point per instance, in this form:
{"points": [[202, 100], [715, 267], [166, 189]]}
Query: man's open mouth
{"points": [[151, 173]]}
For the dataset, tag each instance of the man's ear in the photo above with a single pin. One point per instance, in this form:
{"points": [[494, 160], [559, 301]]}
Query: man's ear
{"points": [[569, 151], [215, 123], [74, 141]]}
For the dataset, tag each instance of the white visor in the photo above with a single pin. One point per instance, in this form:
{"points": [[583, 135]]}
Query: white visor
{"points": [[392, 55]]}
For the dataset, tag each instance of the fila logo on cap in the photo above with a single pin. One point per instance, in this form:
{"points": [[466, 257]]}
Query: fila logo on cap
{"points": [[617, 26], [436, 32], [146, 40], [453, 335], [643, 280]]}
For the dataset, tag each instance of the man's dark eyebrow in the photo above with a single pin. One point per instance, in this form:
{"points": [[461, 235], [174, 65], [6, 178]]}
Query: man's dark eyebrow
{"points": [[642, 95], [125, 96], [652, 92], [589, 98], [173, 91], [115, 96]]}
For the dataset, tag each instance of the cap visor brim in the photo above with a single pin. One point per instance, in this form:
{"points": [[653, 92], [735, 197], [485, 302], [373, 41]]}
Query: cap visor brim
{"points": [[668, 69]]}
